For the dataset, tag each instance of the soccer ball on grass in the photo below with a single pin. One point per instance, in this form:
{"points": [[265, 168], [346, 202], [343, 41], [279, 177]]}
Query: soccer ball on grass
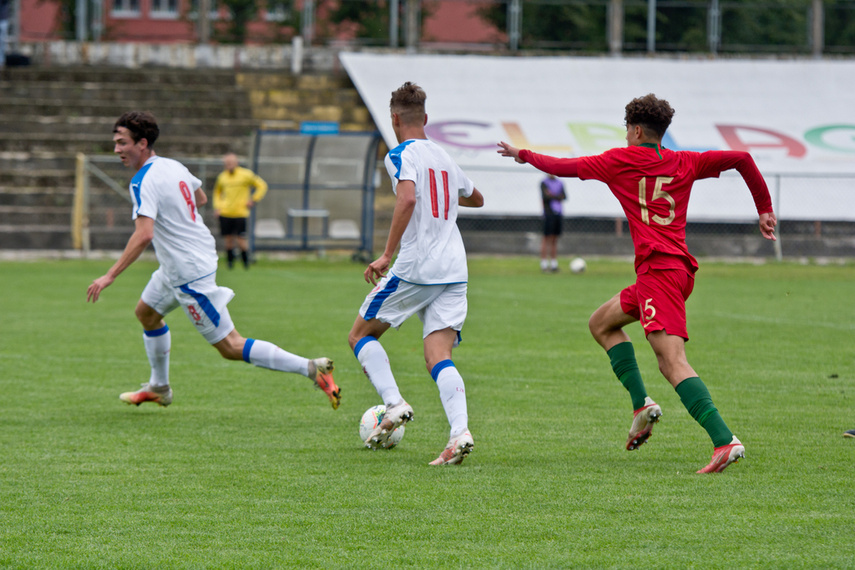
{"points": [[371, 419], [578, 265]]}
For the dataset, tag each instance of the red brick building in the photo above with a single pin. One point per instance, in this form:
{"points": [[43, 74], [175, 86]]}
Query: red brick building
{"points": [[175, 21]]}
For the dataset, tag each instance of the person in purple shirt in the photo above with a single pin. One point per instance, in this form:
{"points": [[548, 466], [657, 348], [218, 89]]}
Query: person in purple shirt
{"points": [[552, 193]]}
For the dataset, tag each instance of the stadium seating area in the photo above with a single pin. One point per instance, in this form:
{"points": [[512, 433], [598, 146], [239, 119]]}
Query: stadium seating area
{"points": [[49, 114]]}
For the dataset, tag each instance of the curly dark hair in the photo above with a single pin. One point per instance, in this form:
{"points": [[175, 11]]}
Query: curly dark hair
{"points": [[408, 102], [141, 124], [651, 114]]}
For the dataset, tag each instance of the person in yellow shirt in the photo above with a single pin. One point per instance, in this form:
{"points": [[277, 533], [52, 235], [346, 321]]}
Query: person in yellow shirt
{"points": [[232, 204]]}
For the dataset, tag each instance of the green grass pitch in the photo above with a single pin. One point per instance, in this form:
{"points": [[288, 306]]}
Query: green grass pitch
{"points": [[250, 468]]}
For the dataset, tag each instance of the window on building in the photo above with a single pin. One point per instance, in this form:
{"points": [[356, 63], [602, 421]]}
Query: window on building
{"points": [[279, 10], [213, 7], [125, 8], [164, 8]]}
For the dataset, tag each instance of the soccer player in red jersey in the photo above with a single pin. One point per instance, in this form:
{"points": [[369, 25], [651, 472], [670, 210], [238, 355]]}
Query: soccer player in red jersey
{"points": [[653, 185]]}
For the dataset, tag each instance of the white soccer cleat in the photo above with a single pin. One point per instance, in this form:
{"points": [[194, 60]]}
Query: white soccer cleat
{"points": [[456, 450], [160, 395], [642, 423], [395, 416]]}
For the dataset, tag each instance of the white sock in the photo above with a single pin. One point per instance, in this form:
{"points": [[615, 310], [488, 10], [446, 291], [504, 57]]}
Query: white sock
{"points": [[372, 356], [452, 393], [553, 264], [158, 343], [544, 264], [268, 355]]}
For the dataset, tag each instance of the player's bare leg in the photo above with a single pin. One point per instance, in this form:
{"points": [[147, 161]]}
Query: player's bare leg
{"points": [[230, 243]]}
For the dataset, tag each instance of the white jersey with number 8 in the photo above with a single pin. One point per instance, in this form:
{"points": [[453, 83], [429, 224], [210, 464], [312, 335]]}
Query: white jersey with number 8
{"points": [[164, 190]]}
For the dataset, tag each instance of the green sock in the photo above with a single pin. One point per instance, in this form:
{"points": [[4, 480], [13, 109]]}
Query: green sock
{"points": [[695, 396], [626, 369]]}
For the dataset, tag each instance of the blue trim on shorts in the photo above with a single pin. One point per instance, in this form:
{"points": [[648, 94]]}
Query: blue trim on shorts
{"points": [[204, 304], [377, 301], [157, 332], [439, 367], [214, 272], [247, 347], [362, 342]]}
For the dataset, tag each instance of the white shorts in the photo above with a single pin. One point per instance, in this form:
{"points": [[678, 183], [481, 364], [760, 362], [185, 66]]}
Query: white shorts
{"points": [[204, 303], [439, 307]]}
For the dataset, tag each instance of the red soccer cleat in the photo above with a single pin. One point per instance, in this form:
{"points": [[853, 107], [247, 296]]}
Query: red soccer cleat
{"points": [[724, 456], [324, 380]]}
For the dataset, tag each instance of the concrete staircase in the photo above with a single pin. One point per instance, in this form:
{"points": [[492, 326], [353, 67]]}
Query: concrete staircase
{"points": [[289, 100], [49, 114]]}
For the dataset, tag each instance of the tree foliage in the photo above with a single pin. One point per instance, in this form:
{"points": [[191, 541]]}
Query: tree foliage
{"points": [[371, 17], [242, 13], [780, 26]]}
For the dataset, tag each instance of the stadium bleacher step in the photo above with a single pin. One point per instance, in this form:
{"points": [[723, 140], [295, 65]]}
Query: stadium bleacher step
{"points": [[49, 114]]}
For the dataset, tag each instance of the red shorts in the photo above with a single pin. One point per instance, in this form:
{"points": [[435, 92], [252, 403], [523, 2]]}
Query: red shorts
{"points": [[658, 300]]}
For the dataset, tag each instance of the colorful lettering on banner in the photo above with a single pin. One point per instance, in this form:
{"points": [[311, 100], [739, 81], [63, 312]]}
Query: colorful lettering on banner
{"points": [[458, 133], [819, 137], [669, 142], [519, 140], [731, 135], [594, 138]]}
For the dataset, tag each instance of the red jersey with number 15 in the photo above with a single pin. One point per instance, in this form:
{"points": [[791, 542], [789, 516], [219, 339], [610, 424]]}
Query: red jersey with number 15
{"points": [[653, 185]]}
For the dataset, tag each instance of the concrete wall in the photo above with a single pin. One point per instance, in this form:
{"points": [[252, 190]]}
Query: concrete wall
{"points": [[138, 55]]}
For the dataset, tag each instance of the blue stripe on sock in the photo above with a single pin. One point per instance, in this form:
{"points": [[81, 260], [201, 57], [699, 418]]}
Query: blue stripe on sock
{"points": [[362, 342], [157, 332], [247, 347], [204, 304], [439, 367], [374, 307]]}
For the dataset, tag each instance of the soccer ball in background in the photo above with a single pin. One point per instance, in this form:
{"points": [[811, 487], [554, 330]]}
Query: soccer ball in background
{"points": [[578, 265], [371, 419]]}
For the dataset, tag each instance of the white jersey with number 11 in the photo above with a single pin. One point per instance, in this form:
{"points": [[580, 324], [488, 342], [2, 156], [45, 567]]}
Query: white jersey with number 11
{"points": [[431, 251]]}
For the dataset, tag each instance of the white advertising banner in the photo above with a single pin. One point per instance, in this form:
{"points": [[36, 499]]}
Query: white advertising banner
{"points": [[795, 117]]}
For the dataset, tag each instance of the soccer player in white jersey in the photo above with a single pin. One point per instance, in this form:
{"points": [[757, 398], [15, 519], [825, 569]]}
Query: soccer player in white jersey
{"points": [[428, 278], [165, 197]]}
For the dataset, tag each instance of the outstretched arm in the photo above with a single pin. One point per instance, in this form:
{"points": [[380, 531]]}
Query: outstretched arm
{"points": [[567, 167], [139, 240], [510, 152]]}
